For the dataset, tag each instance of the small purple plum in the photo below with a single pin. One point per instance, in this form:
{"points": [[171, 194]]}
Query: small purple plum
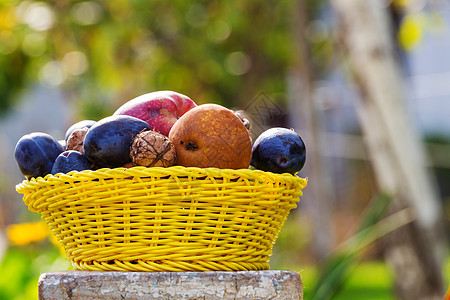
{"points": [[71, 160], [279, 150], [35, 154]]}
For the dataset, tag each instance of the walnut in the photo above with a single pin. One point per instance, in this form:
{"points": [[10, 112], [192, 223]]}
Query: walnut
{"points": [[152, 149], [76, 139]]}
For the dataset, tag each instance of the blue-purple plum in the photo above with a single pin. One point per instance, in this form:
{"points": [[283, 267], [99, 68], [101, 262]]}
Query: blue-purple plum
{"points": [[279, 150], [78, 125], [107, 143], [71, 160], [35, 154]]}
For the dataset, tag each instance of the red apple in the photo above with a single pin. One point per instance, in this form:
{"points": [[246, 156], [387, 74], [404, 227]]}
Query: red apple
{"points": [[159, 109]]}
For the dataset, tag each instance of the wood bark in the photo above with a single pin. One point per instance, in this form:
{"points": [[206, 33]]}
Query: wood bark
{"points": [[78, 285], [394, 147]]}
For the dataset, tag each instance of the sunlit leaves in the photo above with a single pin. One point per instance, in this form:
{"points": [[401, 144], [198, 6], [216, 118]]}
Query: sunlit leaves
{"points": [[220, 51], [39, 16], [86, 12]]}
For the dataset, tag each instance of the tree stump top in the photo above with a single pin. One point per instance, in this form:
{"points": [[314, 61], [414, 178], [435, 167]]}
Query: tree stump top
{"points": [[171, 285]]}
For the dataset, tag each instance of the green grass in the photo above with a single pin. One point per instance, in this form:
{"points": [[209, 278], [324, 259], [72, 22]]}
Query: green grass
{"points": [[21, 267], [372, 280], [369, 280]]}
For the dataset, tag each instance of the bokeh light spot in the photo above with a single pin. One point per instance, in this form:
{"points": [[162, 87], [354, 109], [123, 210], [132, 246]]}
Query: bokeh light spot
{"points": [[411, 31], [218, 31], [238, 63], [8, 42], [52, 74], [87, 13], [197, 15], [34, 44], [37, 15], [7, 18], [75, 63]]}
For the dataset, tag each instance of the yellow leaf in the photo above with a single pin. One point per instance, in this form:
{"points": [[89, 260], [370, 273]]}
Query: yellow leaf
{"points": [[25, 233], [411, 31], [7, 18]]}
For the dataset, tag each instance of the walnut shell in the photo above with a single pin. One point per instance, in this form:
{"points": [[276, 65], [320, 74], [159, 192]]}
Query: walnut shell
{"points": [[152, 149], [76, 139]]}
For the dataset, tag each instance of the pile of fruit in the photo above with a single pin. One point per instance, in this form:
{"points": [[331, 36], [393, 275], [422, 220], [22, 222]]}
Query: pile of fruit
{"points": [[162, 129]]}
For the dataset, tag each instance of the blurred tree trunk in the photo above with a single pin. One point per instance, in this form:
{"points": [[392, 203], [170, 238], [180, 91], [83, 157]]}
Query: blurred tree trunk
{"points": [[394, 146], [305, 118]]}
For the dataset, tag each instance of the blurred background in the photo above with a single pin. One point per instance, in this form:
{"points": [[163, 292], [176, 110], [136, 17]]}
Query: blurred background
{"points": [[365, 83]]}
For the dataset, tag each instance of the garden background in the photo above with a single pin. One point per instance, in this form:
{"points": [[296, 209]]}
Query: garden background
{"points": [[288, 63]]}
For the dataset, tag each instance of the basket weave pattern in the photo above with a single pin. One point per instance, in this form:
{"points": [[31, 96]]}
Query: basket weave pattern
{"points": [[165, 219]]}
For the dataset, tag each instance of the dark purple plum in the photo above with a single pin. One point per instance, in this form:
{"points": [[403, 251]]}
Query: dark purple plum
{"points": [[108, 142], [71, 160], [35, 154], [78, 125], [279, 150]]}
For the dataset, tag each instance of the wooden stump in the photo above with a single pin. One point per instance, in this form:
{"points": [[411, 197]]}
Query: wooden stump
{"points": [[171, 285]]}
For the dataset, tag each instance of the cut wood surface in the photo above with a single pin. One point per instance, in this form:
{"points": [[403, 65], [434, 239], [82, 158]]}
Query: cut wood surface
{"points": [[170, 285]]}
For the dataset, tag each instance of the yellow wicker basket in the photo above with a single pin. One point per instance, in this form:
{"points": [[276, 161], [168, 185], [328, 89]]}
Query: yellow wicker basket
{"points": [[165, 219]]}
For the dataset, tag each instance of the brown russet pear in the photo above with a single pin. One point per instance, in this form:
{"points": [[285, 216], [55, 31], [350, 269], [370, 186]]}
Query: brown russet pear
{"points": [[211, 135]]}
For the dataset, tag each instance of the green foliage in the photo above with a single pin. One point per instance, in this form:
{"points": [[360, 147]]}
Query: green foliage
{"points": [[104, 53], [340, 264], [292, 241], [16, 270], [21, 267], [370, 280]]}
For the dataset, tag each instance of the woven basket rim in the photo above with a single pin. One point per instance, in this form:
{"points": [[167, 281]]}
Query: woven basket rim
{"points": [[140, 171]]}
